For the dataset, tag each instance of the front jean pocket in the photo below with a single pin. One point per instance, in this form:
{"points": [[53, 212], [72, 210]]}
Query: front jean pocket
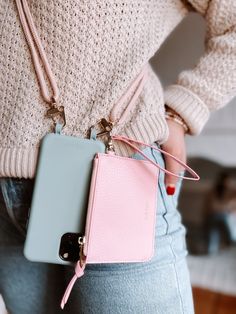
{"points": [[17, 195], [167, 204], [166, 199]]}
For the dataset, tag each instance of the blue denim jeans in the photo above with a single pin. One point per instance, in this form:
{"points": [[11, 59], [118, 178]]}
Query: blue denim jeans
{"points": [[158, 286]]}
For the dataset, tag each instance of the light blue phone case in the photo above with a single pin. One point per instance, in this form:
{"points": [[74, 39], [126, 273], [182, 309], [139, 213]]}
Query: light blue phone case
{"points": [[60, 196]]}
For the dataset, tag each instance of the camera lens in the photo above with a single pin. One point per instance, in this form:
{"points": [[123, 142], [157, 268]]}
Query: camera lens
{"points": [[69, 247]]}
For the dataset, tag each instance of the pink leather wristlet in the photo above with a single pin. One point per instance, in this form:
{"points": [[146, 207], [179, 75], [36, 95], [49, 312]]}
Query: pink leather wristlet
{"points": [[121, 215]]}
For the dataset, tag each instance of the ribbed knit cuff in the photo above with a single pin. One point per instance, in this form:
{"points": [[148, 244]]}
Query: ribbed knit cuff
{"points": [[189, 106]]}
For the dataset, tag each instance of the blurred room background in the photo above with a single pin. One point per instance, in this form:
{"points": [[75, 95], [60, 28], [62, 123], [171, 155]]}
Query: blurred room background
{"points": [[209, 206]]}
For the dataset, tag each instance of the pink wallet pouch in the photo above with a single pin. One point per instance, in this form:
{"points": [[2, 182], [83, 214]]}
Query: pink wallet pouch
{"points": [[121, 215], [121, 211]]}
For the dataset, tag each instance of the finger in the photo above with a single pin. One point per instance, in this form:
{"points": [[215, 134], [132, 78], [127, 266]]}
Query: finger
{"points": [[171, 181]]}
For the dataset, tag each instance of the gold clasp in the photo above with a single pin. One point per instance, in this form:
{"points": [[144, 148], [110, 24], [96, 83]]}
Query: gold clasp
{"points": [[56, 113], [106, 127]]}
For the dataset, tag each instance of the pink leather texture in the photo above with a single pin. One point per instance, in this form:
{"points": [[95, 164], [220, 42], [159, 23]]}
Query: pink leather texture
{"points": [[121, 213]]}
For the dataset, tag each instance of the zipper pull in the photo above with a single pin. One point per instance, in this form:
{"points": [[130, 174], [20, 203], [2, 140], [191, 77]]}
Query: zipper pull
{"points": [[107, 127], [110, 146], [79, 271]]}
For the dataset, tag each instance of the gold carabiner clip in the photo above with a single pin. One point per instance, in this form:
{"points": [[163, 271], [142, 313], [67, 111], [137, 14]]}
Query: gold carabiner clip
{"points": [[106, 128], [56, 113]]}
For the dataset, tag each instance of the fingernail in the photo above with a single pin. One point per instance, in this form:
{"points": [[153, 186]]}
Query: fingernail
{"points": [[170, 189]]}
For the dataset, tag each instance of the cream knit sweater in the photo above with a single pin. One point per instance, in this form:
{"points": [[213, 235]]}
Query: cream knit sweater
{"points": [[95, 49]]}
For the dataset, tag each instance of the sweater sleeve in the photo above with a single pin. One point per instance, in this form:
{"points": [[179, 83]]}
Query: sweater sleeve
{"points": [[211, 84]]}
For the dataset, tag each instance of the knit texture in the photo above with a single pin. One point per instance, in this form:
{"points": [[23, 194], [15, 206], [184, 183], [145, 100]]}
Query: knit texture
{"points": [[96, 49]]}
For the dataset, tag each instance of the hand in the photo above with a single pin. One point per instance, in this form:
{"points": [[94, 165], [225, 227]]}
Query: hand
{"points": [[175, 145]]}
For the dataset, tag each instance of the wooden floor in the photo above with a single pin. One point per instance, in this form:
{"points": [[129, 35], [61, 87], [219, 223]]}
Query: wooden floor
{"points": [[209, 302]]}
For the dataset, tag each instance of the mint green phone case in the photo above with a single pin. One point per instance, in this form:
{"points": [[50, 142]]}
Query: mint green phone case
{"points": [[60, 195]]}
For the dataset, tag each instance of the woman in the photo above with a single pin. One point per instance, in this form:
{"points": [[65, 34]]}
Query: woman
{"points": [[95, 51]]}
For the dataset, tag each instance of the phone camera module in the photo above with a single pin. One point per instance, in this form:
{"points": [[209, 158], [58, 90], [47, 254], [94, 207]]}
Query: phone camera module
{"points": [[69, 247]]}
